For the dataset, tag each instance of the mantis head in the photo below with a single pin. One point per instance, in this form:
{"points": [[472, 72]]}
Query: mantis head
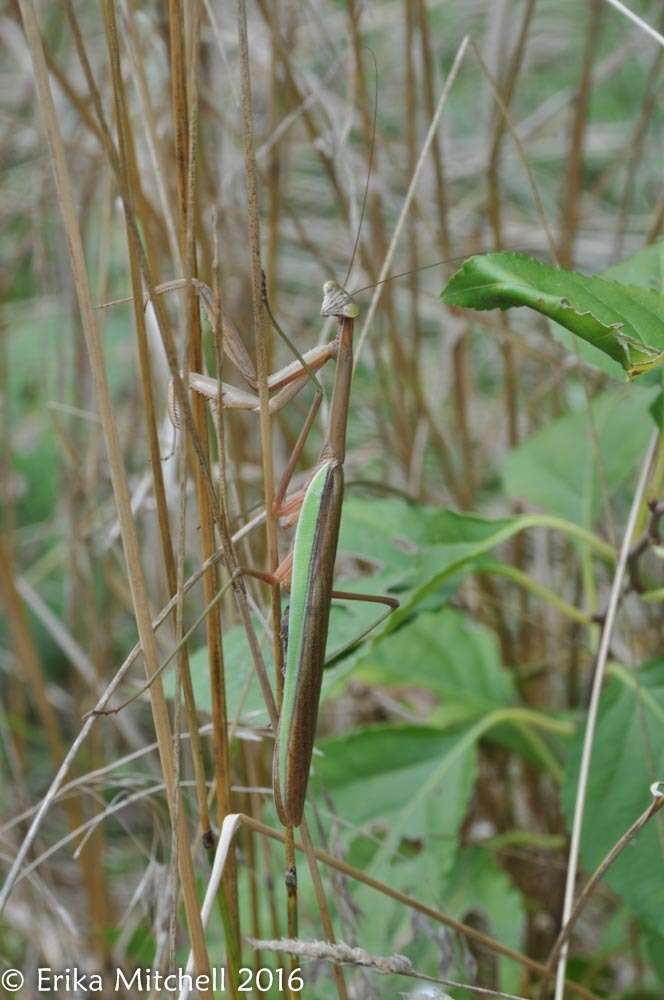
{"points": [[337, 301]]}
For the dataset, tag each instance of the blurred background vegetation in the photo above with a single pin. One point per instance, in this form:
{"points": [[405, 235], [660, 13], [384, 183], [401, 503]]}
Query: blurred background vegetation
{"points": [[490, 471]]}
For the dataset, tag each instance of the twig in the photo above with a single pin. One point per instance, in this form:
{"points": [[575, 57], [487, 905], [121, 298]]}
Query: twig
{"points": [[261, 327], [650, 537], [629, 835], [180, 644]]}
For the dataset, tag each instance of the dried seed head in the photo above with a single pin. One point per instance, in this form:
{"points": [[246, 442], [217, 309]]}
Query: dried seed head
{"points": [[337, 301]]}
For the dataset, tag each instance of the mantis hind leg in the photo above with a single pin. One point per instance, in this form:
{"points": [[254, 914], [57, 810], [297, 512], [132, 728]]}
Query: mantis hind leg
{"points": [[344, 595], [349, 595], [282, 573]]}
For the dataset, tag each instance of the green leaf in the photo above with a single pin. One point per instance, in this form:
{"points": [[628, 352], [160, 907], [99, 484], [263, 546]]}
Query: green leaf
{"points": [[406, 538], [447, 653], [566, 466], [645, 269], [459, 661], [428, 545], [628, 755], [379, 774], [623, 321]]}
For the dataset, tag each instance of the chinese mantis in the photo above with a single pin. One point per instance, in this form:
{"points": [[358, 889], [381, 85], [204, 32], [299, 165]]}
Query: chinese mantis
{"points": [[315, 510]]}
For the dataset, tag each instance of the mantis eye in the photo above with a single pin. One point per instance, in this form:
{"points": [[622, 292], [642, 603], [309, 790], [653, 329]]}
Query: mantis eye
{"points": [[337, 301]]}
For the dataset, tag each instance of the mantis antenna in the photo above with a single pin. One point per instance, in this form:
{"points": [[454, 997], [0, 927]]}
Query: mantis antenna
{"points": [[423, 267], [372, 147]]}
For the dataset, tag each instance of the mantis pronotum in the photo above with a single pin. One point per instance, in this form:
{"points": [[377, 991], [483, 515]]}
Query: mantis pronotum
{"points": [[316, 511]]}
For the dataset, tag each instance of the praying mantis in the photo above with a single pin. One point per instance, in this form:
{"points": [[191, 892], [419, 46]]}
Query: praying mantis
{"points": [[315, 510]]}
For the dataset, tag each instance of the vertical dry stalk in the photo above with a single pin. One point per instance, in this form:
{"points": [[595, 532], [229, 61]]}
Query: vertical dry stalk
{"points": [[279, 101], [322, 905], [506, 91], [406, 398], [127, 166], [28, 658], [433, 125], [261, 327], [146, 260], [213, 624], [437, 157], [118, 475], [410, 109], [461, 380], [570, 216]]}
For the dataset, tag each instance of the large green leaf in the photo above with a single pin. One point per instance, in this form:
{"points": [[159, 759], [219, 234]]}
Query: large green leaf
{"points": [[628, 755], [425, 546], [413, 782], [623, 321], [568, 465], [447, 653], [459, 661], [376, 773]]}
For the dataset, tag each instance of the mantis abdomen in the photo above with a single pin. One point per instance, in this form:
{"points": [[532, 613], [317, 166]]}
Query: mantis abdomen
{"points": [[314, 555]]}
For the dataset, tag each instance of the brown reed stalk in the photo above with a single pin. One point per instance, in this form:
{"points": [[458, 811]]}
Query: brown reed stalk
{"points": [[116, 467]]}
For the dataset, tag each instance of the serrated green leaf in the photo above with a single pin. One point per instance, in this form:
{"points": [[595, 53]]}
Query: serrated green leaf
{"points": [[458, 661], [645, 269], [623, 321]]}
